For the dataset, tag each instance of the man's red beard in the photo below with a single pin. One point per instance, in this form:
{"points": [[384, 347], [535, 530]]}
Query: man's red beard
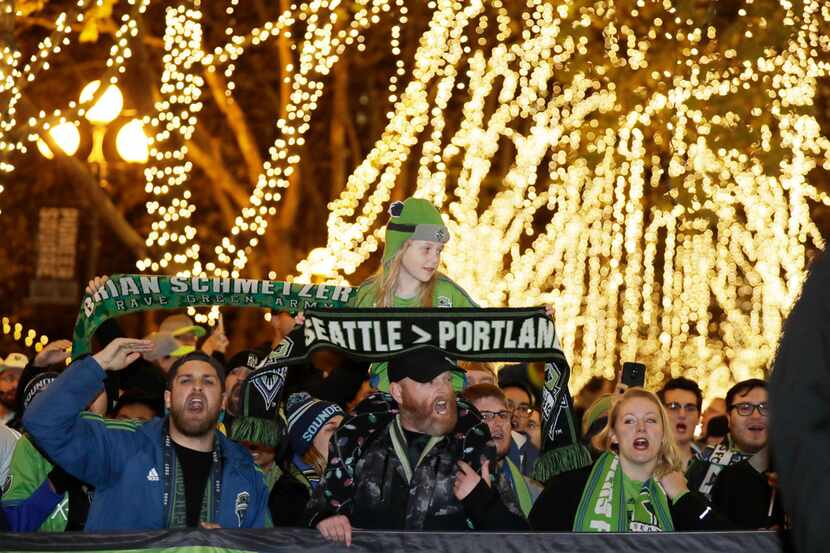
{"points": [[435, 416]]}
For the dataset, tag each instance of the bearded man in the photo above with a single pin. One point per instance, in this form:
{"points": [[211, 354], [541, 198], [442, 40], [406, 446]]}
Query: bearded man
{"points": [[171, 472], [393, 465]]}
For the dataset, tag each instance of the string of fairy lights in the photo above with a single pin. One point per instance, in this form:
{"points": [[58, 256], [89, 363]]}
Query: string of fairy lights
{"points": [[654, 196], [698, 284], [29, 337]]}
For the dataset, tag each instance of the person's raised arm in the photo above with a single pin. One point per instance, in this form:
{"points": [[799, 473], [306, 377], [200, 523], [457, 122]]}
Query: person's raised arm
{"points": [[84, 446]]}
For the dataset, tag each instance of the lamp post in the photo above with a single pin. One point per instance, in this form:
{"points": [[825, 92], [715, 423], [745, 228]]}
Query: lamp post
{"points": [[131, 144]]}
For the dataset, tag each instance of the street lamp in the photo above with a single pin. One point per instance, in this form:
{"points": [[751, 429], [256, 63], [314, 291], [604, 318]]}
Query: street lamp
{"points": [[104, 114], [131, 143]]}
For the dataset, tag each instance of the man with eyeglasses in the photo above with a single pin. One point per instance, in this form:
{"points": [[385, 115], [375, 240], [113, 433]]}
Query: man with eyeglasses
{"points": [[746, 410], [745, 492], [683, 400], [519, 401], [501, 497]]}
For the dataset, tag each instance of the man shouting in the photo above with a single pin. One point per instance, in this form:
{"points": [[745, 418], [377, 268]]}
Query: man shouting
{"points": [[171, 472], [393, 464]]}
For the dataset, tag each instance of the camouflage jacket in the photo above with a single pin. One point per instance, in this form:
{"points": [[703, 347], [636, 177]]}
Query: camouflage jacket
{"points": [[367, 481]]}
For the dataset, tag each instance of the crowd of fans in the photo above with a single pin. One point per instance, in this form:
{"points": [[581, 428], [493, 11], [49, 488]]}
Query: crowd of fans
{"points": [[155, 433]]}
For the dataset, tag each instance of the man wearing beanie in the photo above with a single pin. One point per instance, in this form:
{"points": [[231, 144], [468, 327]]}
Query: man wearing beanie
{"points": [[393, 464], [409, 275], [172, 472], [311, 423]]}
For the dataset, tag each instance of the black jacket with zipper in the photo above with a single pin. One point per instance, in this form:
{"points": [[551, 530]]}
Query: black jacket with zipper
{"points": [[555, 510]]}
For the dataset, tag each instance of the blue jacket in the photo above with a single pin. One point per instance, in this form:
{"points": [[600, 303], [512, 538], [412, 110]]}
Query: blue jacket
{"points": [[124, 460]]}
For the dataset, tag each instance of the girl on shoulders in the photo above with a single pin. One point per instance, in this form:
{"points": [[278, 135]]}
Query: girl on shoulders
{"points": [[409, 275]]}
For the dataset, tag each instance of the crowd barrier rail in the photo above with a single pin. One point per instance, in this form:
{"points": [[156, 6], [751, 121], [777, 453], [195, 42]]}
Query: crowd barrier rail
{"points": [[297, 540]]}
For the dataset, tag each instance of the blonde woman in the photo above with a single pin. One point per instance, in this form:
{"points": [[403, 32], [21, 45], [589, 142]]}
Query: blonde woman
{"points": [[634, 486], [409, 275]]}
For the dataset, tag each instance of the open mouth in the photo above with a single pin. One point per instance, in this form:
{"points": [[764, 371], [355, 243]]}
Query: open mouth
{"points": [[641, 444], [757, 428], [195, 404], [681, 427], [441, 407]]}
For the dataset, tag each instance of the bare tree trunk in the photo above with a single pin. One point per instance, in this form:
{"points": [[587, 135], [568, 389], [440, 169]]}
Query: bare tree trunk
{"points": [[286, 59], [237, 122], [337, 133]]}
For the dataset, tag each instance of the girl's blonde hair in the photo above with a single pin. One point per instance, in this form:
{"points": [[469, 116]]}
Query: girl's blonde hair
{"points": [[481, 366], [316, 460], [387, 279], [668, 458]]}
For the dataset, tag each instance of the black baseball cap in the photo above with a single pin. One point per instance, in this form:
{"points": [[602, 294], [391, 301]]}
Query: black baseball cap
{"points": [[421, 366]]}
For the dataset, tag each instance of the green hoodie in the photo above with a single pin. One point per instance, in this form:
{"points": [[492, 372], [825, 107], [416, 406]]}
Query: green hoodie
{"points": [[29, 469], [447, 294]]}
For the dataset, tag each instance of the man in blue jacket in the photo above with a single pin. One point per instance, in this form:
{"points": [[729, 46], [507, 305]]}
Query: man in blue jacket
{"points": [[171, 472]]}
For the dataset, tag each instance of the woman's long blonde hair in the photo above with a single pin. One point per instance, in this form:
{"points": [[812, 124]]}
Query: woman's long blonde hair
{"points": [[668, 458], [316, 460], [387, 279]]}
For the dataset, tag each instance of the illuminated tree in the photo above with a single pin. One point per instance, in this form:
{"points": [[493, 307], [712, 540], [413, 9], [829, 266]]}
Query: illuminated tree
{"points": [[647, 167]]}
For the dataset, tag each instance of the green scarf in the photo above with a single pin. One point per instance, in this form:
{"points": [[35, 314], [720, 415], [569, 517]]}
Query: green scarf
{"points": [[123, 294], [175, 501], [605, 507], [519, 486], [400, 445]]}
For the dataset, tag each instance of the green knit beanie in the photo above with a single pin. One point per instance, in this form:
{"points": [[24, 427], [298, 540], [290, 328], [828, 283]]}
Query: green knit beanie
{"points": [[415, 219]]}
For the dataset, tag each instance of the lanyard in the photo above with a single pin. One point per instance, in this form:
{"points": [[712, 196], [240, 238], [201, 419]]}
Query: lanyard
{"points": [[171, 475]]}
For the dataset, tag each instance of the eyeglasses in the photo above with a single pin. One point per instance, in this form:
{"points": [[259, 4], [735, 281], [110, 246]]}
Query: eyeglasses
{"points": [[518, 409], [745, 409], [688, 407], [490, 415]]}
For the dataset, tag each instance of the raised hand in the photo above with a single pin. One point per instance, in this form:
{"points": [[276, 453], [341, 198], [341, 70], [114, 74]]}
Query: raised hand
{"points": [[121, 352], [337, 529], [54, 353], [217, 341], [675, 484], [96, 284], [467, 479]]}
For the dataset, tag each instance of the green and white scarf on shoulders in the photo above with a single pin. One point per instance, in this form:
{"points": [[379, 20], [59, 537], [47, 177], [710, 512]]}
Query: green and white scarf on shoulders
{"points": [[605, 506]]}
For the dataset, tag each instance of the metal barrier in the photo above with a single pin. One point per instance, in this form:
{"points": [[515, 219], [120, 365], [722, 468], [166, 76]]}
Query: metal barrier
{"points": [[297, 540]]}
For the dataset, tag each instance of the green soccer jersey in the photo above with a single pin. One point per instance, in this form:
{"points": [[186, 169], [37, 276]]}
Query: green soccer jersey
{"points": [[29, 469], [446, 294]]}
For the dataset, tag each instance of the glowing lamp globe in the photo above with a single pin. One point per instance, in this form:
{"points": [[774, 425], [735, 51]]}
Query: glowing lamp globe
{"points": [[65, 135], [107, 107], [131, 142]]}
